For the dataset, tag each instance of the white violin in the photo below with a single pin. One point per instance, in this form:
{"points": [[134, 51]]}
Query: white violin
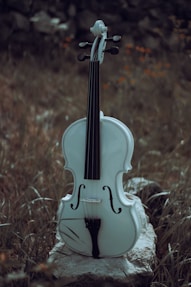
{"points": [[98, 219]]}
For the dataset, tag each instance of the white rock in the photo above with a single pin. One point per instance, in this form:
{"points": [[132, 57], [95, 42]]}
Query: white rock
{"points": [[133, 268], [42, 22]]}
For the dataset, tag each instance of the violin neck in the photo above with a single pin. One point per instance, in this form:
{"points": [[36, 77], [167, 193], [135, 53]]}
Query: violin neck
{"points": [[92, 154]]}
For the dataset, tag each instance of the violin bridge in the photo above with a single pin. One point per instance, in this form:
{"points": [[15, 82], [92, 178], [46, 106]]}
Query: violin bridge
{"points": [[91, 200]]}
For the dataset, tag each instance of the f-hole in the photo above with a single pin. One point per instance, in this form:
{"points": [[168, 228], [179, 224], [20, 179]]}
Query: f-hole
{"points": [[78, 201], [106, 187]]}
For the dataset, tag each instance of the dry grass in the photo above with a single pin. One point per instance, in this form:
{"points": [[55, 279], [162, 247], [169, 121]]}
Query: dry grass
{"points": [[38, 101]]}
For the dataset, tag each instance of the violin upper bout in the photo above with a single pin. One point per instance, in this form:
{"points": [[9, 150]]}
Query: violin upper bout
{"points": [[121, 149], [73, 146]]}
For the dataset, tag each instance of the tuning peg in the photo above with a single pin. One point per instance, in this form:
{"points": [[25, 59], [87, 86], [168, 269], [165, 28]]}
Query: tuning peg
{"points": [[114, 39], [85, 44], [114, 50], [83, 57]]}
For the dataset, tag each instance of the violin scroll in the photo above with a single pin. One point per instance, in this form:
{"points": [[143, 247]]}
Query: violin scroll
{"points": [[99, 28]]}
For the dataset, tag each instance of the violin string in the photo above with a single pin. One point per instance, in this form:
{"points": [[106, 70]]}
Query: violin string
{"points": [[92, 129], [95, 111], [95, 134], [88, 125], [89, 128], [98, 124], [95, 94], [93, 121]]}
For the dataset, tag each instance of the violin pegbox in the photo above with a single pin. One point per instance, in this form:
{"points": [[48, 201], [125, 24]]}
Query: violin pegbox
{"points": [[98, 47]]}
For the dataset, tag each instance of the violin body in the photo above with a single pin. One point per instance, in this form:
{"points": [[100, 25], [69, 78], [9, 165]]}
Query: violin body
{"points": [[98, 219]]}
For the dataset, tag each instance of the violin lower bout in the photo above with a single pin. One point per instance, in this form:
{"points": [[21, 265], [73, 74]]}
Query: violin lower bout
{"points": [[101, 227]]}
